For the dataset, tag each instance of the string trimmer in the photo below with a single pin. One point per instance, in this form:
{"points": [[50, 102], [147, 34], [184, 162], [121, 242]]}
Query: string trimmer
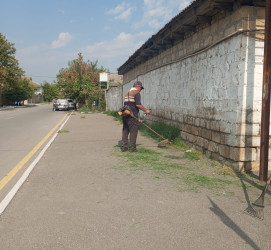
{"points": [[256, 209]]}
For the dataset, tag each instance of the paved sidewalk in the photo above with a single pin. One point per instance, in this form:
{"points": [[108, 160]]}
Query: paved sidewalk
{"points": [[3, 108], [81, 196]]}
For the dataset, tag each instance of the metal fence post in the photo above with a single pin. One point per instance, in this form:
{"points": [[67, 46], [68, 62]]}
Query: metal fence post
{"points": [[265, 120]]}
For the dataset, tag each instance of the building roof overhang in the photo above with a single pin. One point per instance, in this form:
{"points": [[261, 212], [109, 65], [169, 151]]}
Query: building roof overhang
{"points": [[199, 12]]}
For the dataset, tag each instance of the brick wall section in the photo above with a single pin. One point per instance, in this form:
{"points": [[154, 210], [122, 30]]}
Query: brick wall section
{"points": [[214, 97]]}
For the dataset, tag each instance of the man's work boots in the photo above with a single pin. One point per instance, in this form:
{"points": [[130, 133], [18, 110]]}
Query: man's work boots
{"points": [[124, 149]]}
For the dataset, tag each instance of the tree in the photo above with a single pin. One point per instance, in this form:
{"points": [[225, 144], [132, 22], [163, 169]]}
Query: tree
{"points": [[80, 80], [21, 90], [15, 88], [10, 71], [50, 91]]}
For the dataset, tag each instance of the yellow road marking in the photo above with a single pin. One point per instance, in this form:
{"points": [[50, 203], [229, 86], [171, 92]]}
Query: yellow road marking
{"points": [[15, 170]]}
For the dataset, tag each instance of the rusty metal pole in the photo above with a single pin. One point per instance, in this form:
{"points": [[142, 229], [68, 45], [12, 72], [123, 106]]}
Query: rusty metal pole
{"points": [[264, 146]]}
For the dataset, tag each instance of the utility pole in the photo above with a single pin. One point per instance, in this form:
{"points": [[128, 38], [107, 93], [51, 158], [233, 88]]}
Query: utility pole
{"points": [[265, 120]]}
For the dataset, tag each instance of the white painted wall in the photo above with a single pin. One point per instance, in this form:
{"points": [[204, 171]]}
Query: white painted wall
{"points": [[218, 92], [223, 84]]}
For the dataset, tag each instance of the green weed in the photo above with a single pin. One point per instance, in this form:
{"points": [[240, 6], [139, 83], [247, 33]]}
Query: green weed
{"points": [[180, 144], [63, 131], [193, 155], [226, 171], [85, 110], [114, 114], [196, 181], [168, 166], [172, 133], [174, 157], [166, 131]]}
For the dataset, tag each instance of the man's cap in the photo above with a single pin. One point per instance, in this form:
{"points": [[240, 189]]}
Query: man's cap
{"points": [[138, 84]]}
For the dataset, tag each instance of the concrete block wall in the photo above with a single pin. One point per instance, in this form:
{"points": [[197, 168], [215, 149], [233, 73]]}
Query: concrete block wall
{"points": [[214, 97], [114, 98]]}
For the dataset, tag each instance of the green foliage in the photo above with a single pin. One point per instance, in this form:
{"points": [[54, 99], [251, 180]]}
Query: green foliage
{"points": [[15, 88], [102, 102], [95, 67], [50, 91], [20, 90], [10, 71], [80, 81]]}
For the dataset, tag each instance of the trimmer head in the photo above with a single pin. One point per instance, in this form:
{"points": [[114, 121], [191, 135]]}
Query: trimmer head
{"points": [[163, 143]]}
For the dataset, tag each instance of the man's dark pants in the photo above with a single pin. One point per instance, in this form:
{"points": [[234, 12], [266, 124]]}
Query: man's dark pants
{"points": [[130, 125]]}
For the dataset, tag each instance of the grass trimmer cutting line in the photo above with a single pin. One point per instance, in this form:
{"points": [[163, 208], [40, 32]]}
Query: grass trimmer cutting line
{"points": [[256, 209], [162, 143]]}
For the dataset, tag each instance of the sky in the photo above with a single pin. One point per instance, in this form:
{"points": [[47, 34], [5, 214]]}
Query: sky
{"points": [[48, 34]]}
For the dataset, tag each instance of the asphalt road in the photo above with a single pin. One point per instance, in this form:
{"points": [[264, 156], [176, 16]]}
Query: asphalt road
{"points": [[21, 129], [83, 195]]}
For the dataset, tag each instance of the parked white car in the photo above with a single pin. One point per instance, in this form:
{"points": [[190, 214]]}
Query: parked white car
{"points": [[62, 104], [71, 104]]}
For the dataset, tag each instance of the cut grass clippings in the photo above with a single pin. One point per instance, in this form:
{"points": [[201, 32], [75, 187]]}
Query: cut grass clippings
{"points": [[190, 176], [225, 170], [196, 181], [193, 175], [144, 157], [190, 179]]}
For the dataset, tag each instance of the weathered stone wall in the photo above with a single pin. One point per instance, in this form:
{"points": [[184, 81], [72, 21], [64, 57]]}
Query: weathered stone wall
{"points": [[213, 96], [114, 98]]}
